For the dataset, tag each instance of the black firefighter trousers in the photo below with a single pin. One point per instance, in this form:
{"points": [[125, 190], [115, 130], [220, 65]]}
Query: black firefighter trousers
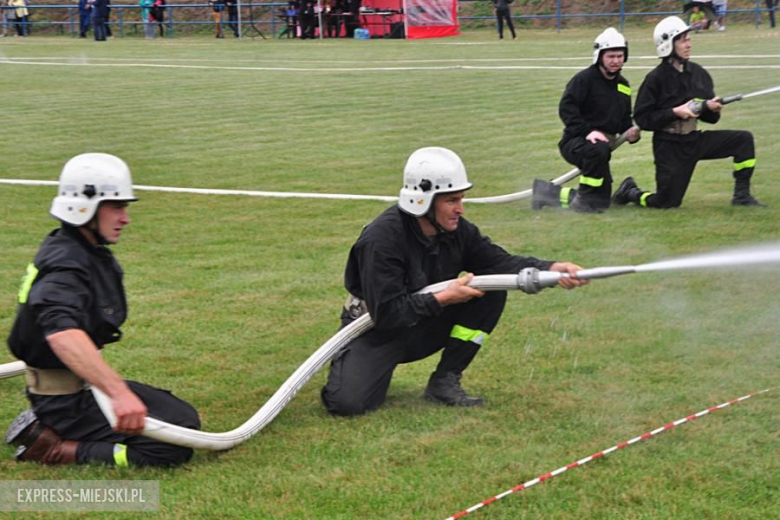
{"points": [[360, 374], [676, 157], [77, 417], [592, 159]]}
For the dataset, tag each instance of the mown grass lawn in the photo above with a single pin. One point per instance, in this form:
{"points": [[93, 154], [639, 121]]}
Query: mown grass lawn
{"points": [[229, 294]]}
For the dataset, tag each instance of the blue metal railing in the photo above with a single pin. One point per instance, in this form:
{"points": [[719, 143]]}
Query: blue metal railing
{"points": [[122, 22]]}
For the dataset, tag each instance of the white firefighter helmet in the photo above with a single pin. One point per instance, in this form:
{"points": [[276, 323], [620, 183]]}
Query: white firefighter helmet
{"points": [[429, 172], [86, 181], [608, 40], [665, 32]]}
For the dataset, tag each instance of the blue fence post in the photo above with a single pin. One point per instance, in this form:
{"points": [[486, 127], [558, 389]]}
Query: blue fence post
{"points": [[558, 15], [758, 12], [622, 15], [121, 18], [170, 23], [70, 21]]}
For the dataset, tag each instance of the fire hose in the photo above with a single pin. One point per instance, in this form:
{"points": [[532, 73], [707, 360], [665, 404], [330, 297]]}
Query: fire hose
{"points": [[511, 197], [558, 181], [179, 436], [697, 106], [529, 281], [520, 195]]}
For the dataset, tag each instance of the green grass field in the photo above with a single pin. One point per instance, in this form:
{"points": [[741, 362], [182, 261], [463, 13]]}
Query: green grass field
{"points": [[228, 295]]}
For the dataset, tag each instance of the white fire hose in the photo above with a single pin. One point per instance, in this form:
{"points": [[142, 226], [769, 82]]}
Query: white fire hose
{"points": [[558, 181], [497, 199], [527, 281]]}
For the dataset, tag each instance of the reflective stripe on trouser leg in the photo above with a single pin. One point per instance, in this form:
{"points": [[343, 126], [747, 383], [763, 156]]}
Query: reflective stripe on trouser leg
{"points": [[462, 333], [750, 163], [643, 199], [744, 169], [592, 181], [120, 455], [565, 196]]}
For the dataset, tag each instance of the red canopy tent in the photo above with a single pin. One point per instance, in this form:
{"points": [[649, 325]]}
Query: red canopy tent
{"points": [[421, 18], [431, 18]]}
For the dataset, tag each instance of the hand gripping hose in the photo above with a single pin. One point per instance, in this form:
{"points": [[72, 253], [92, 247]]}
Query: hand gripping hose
{"points": [[526, 281]]}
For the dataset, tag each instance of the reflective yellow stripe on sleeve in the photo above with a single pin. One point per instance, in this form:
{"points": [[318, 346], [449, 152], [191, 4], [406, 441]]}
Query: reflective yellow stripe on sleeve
{"points": [[465, 334], [27, 281]]}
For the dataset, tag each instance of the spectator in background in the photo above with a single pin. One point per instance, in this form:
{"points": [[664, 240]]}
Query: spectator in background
{"points": [[6, 17], [20, 13], [705, 6], [85, 18], [771, 5], [334, 11], [146, 16], [308, 20], [351, 22], [107, 23], [698, 20], [291, 17], [217, 6], [99, 15], [157, 15], [504, 13], [232, 11], [720, 13]]}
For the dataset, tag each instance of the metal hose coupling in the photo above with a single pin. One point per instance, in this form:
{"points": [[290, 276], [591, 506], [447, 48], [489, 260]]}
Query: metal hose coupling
{"points": [[531, 280]]}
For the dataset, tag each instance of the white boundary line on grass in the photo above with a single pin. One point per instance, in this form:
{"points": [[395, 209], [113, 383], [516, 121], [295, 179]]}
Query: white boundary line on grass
{"points": [[428, 60], [85, 62]]}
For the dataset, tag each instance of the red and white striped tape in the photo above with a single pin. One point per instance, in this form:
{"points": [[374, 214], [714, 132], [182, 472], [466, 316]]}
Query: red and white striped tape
{"points": [[558, 471]]}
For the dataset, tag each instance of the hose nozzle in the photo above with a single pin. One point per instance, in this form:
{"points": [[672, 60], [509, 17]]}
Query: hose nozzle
{"points": [[730, 99], [531, 280]]}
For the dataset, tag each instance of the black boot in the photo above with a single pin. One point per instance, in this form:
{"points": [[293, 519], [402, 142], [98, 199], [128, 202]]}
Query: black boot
{"points": [[545, 193], [445, 388], [42, 444], [627, 192], [742, 196]]}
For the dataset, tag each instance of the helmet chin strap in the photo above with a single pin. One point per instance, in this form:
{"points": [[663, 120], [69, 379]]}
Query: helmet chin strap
{"points": [[674, 55], [93, 226], [431, 216]]}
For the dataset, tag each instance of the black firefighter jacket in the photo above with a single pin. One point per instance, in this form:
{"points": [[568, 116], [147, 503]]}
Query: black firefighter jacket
{"points": [[71, 284], [393, 259]]}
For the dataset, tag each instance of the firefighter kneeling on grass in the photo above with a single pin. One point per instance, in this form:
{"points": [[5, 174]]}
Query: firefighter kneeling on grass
{"points": [[422, 240], [596, 108], [71, 304], [673, 98]]}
